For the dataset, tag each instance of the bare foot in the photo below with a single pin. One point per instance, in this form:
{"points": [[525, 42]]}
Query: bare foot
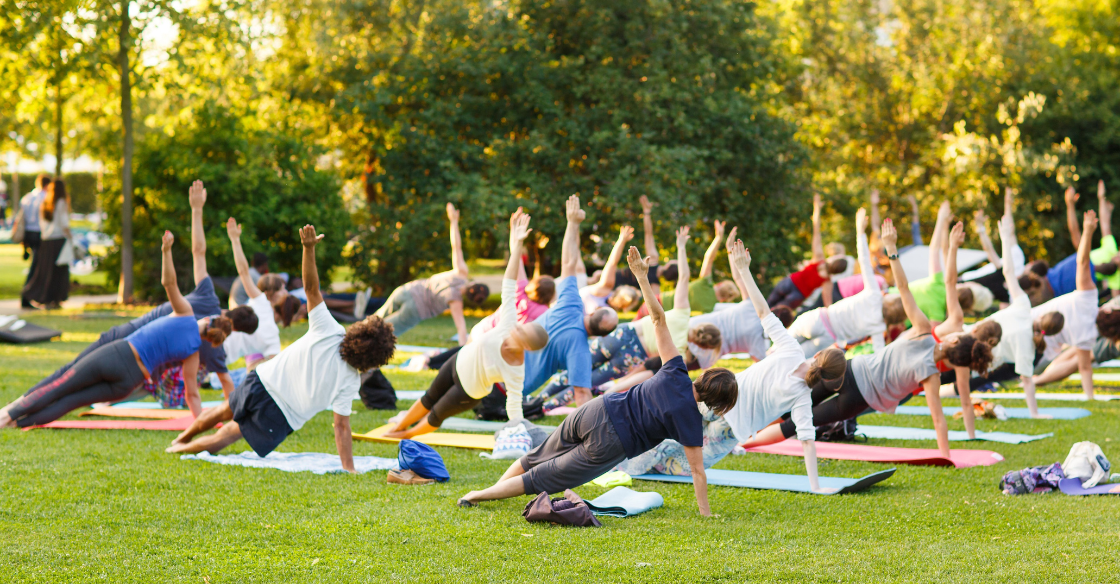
{"points": [[401, 434], [1042, 416], [6, 422], [177, 446], [825, 490]]}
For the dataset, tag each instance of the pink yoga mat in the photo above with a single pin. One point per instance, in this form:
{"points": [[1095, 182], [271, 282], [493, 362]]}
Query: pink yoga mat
{"points": [[561, 411], [175, 424], [921, 456]]}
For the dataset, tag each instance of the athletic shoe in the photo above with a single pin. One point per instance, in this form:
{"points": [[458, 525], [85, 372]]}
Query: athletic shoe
{"points": [[406, 477]]}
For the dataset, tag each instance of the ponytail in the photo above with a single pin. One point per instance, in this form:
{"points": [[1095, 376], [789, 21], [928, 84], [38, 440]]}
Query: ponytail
{"points": [[828, 364]]}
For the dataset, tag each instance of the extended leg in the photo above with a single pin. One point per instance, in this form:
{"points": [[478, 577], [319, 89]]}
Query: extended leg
{"points": [[229, 433], [1061, 368], [205, 421]]}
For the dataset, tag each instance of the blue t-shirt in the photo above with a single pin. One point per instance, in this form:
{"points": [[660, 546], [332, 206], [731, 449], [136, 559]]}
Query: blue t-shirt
{"points": [[204, 302], [166, 339], [662, 407], [567, 341], [1063, 275]]}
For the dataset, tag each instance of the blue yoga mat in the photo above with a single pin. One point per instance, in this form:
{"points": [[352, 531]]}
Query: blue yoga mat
{"points": [[777, 482], [151, 405], [897, 433], [623, 502], [410, 394], [1018, 413], [467, 425]]}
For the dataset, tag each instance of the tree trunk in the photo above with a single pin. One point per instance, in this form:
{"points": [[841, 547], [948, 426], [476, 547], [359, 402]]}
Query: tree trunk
{"points": [[14, 195], [58, 129], [124, 293]]}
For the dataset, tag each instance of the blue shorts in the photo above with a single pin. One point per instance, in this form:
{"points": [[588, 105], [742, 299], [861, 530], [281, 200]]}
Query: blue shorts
{"points": [[262, 423]]}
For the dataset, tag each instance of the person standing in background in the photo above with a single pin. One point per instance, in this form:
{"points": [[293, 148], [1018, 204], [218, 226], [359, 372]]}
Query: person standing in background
{"points": [[48, 284], [32, 234]]}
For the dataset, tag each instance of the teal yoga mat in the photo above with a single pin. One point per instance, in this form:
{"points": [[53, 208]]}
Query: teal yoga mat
{"points": [[896, 433], [623, 502], [1018, 413], [410, 394], [467, 425], [777, 482], [151, 405]]}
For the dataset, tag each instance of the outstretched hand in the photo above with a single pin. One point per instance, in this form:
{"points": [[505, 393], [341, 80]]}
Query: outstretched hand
{"points": [[944, 211], [197, 195], [720, 226], [816, 207], [625, 233], [682, 236], [1100, 189], [888, 235], [452, 213], [1089, 224], [647, 207], [874, 196], [731, 238], [518, 229], [1071, 196], [739, 256], [638, 265], [308, 237], [979, 221], [233, 229], [573, 211], [1006, 227], [861, 220], [168, 239], [956, 235]]}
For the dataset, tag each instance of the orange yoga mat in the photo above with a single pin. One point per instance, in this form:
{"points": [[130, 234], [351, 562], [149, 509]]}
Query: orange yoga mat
{"points": [[175, 424], [150, 414], [475, 441]]}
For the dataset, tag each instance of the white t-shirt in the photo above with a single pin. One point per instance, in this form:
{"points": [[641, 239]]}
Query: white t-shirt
{"points": [[592, 302], [1018, 260], [860, 316], [265, 340], [739, 329], [480, 364], [1016, 345], [310, 375], [1080, 311], [767, 389]]}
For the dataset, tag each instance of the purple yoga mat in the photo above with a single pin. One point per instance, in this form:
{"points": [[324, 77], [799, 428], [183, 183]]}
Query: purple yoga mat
{"points": [[1073, 487]]}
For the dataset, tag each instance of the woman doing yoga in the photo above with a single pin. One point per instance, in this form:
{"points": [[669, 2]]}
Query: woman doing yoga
{"points": [[114, 370], [497, 356], [882, 380], [265, 341], [604, 432]]}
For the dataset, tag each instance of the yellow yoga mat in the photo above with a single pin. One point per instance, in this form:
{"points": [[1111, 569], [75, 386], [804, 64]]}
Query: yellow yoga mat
{"points": [[151, 414], [475, 441]]}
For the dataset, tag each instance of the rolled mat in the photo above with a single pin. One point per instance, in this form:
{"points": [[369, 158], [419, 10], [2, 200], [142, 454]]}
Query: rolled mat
{"points": [[776, 482], [623, 502], [174, 425], [152, 405], [1017, 413], [474, 441], [1073, 487], [897, 433], [468, 425], [888, 454], [314, 462], [151, 414]]}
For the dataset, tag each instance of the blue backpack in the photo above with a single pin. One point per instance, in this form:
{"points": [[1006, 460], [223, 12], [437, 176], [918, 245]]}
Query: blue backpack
{"points": [[422, 460]]}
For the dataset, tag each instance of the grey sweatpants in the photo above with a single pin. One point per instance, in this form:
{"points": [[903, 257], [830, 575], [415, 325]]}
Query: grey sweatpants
{"points": [[584, 447]]}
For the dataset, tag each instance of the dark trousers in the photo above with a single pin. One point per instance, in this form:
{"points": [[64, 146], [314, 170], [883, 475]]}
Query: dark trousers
{"points": [[445, 397], [31, 241], [786, 293]]}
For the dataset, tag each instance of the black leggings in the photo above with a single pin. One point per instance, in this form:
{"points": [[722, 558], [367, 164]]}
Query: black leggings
{"points": [[107, 374], [445, 397], [996, 283], [787, 293], [847, 404]]}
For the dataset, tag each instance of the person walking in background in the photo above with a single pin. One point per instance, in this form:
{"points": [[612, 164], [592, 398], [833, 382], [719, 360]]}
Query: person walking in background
{"points": [[48, 283], [32, 235]]}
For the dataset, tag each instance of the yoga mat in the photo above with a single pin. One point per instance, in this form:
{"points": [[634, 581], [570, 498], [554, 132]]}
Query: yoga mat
{"points": [[153, 405], [468, 425], [776, 482], [561, 411], [1112, 363], [1097, 377], [622, 502], [475, 441], [314, 462], [410, 394], [1046, 396], [150, 414], [1073, 487], [897, 433], [862, 452], [418, 349], [175, 425], [1017, 413]]}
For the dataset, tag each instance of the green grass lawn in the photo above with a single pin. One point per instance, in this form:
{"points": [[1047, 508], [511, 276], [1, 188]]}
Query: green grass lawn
{"points": [[112, 506], [12, 275]]}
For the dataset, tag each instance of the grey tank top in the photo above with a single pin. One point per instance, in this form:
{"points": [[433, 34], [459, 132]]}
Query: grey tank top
{"points": [[886, 377]]}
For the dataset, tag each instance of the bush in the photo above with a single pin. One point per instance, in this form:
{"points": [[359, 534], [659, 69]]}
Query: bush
{"points": [[81, 188], [263, 177]]}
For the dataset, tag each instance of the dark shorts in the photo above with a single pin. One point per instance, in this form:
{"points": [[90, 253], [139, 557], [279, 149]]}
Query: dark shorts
{"points": [[1105, 350], [262, 423], [584, 447]]}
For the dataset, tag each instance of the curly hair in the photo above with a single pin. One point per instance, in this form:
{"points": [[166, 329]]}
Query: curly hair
{"points": [[219, 328], [706, 336], [541, 289], [1108, 324], [244, 319], [972, 353], [784, 314], [718, 390], [368, 344]]}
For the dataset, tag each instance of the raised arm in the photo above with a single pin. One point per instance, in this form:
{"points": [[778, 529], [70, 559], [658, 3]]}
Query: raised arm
{"points": [[458, 262], [742, 286], [1007, 241], [606, 280], [713, 250], [979, 224], [640, 267], [940, 232], [179, 305], [1071, 198], [518, 231], [954, 316], [234, 231], [569, 250], [1105, 211], [309, 239], [875, 221], [863, 254], [1085, 246], [648, 241], [680, 295], [740, 264], [197, 197], [917, 317], [818, 247]]}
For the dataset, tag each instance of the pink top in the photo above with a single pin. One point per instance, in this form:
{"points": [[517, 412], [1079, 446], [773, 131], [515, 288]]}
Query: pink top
{"points": [[853, 285], [527, 311]]}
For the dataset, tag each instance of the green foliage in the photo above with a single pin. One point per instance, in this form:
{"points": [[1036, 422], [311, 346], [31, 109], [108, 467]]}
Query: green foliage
{"points": [[81, 187], [265, 178], [611, 100]]}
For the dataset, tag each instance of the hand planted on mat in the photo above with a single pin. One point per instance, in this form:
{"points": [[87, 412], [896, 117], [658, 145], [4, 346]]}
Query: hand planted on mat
{"points": [[1042, 416], [825, 490]]}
